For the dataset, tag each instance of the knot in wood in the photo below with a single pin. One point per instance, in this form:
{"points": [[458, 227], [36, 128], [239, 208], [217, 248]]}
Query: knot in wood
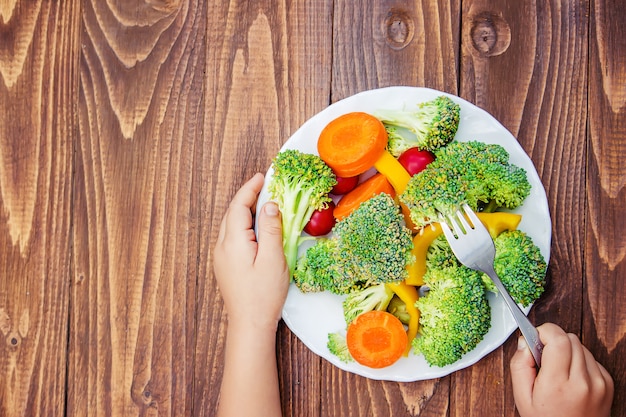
{"points": [[490, 34], [13, 340], [398, 28]]}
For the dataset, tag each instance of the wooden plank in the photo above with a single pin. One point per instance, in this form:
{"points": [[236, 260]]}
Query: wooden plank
{"points": [[384, 43], [268, 70], [140, 110], [378, 44], [38, 75], [604, 322], [524, 63]]}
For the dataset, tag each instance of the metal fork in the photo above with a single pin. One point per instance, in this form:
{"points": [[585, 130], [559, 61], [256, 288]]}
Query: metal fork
{"points": [[473, 246]]}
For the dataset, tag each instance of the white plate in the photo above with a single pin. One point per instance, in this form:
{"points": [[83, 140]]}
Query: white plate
{"points": [[312, 316]]}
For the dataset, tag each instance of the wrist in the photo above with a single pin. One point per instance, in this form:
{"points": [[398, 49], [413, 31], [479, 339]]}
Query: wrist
{"points": [[252, 326]]}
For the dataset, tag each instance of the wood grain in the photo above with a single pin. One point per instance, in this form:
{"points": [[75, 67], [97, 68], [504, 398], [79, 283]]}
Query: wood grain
{"points": [[604, 327], [378, 44], [38, 45], [126, 127], [133, 290], [520, 64], [269, 71]]}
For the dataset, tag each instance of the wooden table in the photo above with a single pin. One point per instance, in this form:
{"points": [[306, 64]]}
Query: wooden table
{"points": [[125, 128]]}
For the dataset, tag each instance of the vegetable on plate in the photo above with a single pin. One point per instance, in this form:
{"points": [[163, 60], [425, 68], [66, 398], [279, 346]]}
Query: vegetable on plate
{"points": [[376, 184], [368, 247], [376, 339], [300, 185], [354, 142], [321, 221], [431, 125]]}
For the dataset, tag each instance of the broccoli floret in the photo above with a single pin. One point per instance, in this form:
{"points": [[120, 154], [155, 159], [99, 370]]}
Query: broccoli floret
{"points": [[316, 270], [374, 243], [475, 173], [375, 297], [455, 315], [338, 347], [440, 254], [520, 266], [300, 185], [370, 246], [432, 125]]}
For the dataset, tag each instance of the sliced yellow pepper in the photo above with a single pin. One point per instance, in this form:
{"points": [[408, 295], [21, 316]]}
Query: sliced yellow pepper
{"points": [[495, 223], [409, 295], [498, 222], [421, 242], [393, 170]]}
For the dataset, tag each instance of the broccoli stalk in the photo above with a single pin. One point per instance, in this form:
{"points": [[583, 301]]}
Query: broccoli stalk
{"points": [[370, 246], [432, 125], [300, 185], [397, 307], [376, 297]]}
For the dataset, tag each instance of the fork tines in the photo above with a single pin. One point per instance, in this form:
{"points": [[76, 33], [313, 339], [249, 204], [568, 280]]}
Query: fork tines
{"points": [[462, 221]]}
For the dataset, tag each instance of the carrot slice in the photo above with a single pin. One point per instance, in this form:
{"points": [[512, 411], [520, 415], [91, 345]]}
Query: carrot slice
{"points": [[376, 339], [352, 143], [374, 185]]}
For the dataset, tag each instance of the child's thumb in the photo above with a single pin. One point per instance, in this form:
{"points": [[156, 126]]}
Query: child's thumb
{"points": [[270, 235]]}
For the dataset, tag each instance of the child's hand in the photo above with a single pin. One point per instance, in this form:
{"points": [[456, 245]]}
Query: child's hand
{"points": [[570, 382], [252, 275]]}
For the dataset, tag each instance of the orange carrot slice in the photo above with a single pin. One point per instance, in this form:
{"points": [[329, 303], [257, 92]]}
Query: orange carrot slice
{"points": [[374, 185], [352, 143], [376, 339]]}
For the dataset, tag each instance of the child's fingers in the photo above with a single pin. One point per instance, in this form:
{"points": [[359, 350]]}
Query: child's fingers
{"points": [[239, 213], [523, 372], [557, 353], [270, 236], [579, 368]]}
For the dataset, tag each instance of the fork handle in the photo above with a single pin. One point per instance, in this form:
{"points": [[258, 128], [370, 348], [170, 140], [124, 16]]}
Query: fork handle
{"points": [[529, 331]]}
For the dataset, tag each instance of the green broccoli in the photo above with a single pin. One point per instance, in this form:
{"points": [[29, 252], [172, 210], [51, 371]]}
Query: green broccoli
{"points": [[375, 297], [397, 307], [520, 266], [370, 246], [440, 254], [431, 126], [316, 270], [300, 185], [475, 173], [455, 314], [338, 347]]}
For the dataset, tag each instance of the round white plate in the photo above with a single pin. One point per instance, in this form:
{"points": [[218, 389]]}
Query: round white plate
{"points": [[313, 316]]}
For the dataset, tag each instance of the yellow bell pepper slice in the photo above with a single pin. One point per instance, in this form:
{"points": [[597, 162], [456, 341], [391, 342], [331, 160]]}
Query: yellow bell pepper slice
{"points": [[498, 222], [409, 295], [495, 223], [393, 170], [421, 242]]}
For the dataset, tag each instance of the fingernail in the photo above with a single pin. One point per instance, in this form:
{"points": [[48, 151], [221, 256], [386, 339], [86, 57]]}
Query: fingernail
{"points": [[521, 343], [271, 209]]}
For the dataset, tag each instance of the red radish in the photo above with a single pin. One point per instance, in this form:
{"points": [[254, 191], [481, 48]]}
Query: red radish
{"points": [[415, 160], [321, 222], [345, 185]]}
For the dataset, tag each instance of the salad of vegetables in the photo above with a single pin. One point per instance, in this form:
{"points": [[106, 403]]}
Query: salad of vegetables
{"points": [[372, 234]]}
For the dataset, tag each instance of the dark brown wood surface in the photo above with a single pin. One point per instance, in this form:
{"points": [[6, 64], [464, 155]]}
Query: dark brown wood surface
{"points": [[126, 127]]}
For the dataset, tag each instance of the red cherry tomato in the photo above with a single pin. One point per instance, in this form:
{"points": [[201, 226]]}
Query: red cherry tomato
{"points": [[345, 185], [321, 222], [415, 160]]}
